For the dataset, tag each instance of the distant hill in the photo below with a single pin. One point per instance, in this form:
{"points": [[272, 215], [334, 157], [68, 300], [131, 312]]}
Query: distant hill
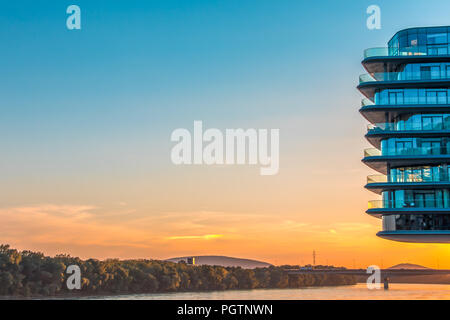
{"points": [[407, 266], [428, 279], [224, 261]]}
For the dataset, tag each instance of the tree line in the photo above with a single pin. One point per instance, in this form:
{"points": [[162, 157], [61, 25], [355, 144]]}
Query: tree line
{"points": [[27, 273]]}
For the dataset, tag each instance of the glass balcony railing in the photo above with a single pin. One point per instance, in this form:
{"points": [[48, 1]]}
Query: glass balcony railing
{"points": [[403, 76], [366, 78], [381, 127], [407, 178], [389, 126], [377, 178], [376, 52], [419, 151], [367, 102], [431, 50], [411, 203], [372, 152]]}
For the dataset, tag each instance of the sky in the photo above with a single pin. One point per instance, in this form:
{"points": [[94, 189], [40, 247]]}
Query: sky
{"points": [[86, 118]]}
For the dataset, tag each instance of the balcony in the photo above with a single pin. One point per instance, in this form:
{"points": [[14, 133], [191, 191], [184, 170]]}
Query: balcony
{"points": [[407, 178], [418, 151], [390, 126], [404, 157], [379, 183], [416, 222], [372, 152], [431, 50], [412, 204], [377, 178], [376, 113], [415, 236], [376, 52], [367, 102], [402, 76]]}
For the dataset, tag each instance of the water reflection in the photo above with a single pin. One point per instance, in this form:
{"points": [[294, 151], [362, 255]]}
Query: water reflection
{"points": [[397, 291]]}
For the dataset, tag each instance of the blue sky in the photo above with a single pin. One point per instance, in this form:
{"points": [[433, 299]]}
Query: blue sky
{"points": [[139, 69], [184, 58]]}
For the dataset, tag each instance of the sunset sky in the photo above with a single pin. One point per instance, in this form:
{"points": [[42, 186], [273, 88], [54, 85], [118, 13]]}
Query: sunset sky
{"points": [[86, 119]]}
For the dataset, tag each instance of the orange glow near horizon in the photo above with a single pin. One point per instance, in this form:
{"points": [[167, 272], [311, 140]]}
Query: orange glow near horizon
{"points": [[229, 211], [146, 207]]}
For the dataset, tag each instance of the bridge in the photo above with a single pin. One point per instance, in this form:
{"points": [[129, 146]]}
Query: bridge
{"points": [[385, 274], [363, 272]]}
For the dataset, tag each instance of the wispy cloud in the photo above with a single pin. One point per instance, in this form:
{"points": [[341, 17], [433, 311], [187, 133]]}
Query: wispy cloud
{"points": [[93, 231], [203, 237], [55, 210]]}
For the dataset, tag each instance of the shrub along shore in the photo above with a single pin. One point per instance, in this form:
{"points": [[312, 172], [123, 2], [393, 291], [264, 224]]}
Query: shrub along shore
{"points": [[32, 274]]}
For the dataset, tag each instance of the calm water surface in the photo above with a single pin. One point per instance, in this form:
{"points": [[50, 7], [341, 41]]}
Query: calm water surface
{"points": [[359, 291]]}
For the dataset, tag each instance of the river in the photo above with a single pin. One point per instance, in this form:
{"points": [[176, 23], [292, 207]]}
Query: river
{"points": [[397, 291]]}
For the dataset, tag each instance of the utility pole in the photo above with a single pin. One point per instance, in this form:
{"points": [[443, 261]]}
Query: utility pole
{"points": [[314, 257]]}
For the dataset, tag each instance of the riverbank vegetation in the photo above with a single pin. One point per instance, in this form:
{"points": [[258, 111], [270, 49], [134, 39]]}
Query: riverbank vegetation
{"points": [[26, 273]]}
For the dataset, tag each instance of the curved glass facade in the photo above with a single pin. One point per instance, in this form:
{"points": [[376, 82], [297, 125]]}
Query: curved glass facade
{"points": [[416, 198], [422, 121], [415, 71], [415, 192], [417, 222], [426, 41], [396, 96], [415, 146], [438, 173], [411, 122]]}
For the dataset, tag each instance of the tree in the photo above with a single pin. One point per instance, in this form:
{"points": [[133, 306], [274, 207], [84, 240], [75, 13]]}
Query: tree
{"points": [[29, 273]]}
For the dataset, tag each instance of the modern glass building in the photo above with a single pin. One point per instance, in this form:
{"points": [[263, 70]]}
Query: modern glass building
{"points": [[407, 102]]}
